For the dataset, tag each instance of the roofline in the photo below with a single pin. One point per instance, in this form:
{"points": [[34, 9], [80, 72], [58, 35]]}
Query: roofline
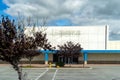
{"points": [[84, 51]]}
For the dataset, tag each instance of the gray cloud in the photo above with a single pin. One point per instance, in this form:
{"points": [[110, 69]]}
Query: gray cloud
{"points": [[42, 8], [78, 12], [108, 9]]}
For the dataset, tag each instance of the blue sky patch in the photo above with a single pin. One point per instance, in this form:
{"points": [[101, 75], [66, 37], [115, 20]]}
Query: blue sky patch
{"points": [[2, 5]]}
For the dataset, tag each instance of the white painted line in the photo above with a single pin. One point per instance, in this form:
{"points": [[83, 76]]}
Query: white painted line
{"points": [[72, 68], [42, 74], [77, 68], [54, 74], [34, 68]]}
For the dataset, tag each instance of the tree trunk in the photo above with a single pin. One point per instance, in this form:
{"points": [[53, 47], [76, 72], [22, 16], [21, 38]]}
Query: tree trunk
{"points": [[30, 59], [18, 69], [19, 73]]}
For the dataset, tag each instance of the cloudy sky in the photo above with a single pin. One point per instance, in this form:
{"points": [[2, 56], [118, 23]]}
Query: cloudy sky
{"points": [[68, 12]]}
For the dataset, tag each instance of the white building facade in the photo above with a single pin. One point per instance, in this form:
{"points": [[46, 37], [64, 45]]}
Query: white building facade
{"points": [[90, 38]]}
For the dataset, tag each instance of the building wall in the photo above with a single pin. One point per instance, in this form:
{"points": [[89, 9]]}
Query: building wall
{"points": [[36, 59], [104, 58], [90, 37], [113, 45], [50, 57]]}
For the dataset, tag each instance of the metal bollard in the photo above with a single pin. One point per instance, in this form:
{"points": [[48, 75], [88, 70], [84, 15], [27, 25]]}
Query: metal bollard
{"points": [[50, 65]]}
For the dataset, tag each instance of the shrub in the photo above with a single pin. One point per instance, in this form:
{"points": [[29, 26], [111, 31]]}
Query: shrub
{"points": [[60, 64]]}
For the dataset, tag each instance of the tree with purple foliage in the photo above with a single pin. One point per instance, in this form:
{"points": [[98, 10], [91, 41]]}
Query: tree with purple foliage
{"points": [[14, 45], [69, 50]]}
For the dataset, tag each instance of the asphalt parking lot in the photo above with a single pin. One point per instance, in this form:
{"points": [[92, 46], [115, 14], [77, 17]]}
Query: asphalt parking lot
{"points": [[99, 72]]}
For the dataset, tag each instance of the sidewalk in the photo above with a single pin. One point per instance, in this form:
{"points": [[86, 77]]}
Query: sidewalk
{"points": [[47, 66], [53, 65], [66, 65]]}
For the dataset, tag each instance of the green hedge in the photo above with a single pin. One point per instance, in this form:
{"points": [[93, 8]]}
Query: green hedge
{"points": [[60, 64]]}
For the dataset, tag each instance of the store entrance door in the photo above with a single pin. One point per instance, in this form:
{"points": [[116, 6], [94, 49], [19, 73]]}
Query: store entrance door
{"points": [[66, 60]]}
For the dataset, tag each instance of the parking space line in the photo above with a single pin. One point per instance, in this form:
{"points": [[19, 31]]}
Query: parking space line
{"points": [[42, 74], [54, 74]]}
